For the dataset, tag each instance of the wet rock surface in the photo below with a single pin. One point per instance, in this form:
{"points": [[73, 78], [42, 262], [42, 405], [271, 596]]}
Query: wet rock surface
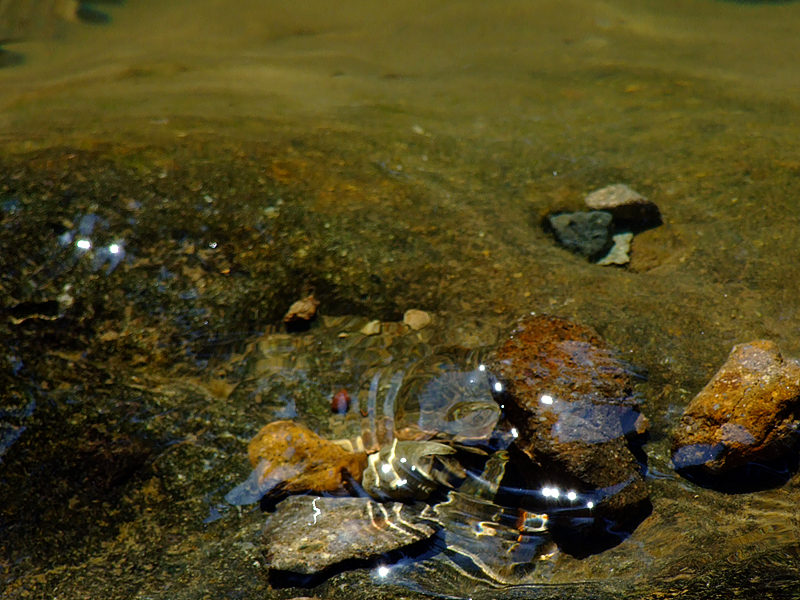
{"points": [[501, 492], [289, 458], [572, 400], [302, 310], [748, 412], [604, 233], [585, 233], [618, 255], [308, 534], [631, 210]]}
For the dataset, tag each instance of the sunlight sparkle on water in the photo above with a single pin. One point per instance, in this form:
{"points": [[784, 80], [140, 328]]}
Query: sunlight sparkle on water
{"points": [[550, 492]]}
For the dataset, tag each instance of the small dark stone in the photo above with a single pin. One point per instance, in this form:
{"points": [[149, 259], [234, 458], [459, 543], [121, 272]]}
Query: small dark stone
{"points": [[585, 233]]}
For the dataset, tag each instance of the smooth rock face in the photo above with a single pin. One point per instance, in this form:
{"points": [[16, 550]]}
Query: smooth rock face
{"points": [[416, 319], [572, 401], [628, 207], [749, 411], [308, 533]]}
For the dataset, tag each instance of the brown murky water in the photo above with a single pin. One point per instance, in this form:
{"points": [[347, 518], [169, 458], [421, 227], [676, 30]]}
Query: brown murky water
{"points": [[390, 158]]}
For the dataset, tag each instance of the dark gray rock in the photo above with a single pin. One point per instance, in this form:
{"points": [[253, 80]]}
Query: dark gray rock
{"points": [[586, 233]]}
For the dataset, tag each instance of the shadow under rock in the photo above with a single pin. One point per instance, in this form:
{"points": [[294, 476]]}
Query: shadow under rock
{"points": [[752, 477]]}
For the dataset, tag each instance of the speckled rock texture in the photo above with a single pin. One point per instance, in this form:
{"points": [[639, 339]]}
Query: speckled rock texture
{"points": [[748, 412], [585, 233], [572, 400]]}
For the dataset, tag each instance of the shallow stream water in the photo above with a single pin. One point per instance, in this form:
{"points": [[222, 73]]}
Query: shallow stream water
{"points": [[173, 178]]}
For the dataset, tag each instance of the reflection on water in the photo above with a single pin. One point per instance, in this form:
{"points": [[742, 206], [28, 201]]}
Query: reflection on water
{"points": [[175, 174]]}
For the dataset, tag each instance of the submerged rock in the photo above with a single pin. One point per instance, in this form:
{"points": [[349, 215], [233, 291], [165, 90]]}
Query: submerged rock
{"points": [[417, 319], [307, 534], [629, 208], [585, 233], [498, 487], [748, 412], [572, 401], [619, 253], [289, 458], [302, 310]]}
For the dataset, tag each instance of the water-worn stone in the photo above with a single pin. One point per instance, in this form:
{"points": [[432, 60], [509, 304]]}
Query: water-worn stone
{"points": [[289, 458], [306, 534], [571, 399], [417, 319], [302, 310], [619, 253], [371, 328], [585, 233], [629, 208], [749, 411]]}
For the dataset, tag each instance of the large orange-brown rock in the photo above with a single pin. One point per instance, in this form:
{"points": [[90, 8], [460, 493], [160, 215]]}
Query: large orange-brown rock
{"points": [[748, 412], [571, 399]]}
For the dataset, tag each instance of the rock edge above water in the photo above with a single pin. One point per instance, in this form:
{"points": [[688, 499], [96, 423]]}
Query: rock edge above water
{"points": [[572, 400], [747, 412], [628, 207]]}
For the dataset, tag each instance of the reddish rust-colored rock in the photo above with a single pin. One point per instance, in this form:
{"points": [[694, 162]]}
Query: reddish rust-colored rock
{"points": [[748, 412], [572, 400]]}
